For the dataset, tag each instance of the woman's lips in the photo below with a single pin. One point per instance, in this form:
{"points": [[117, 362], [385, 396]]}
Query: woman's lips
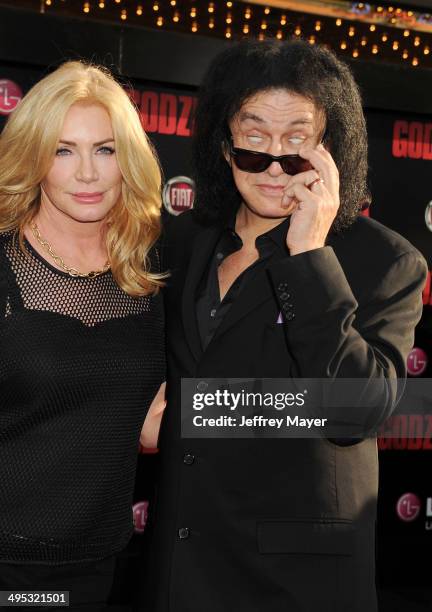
{"points": [[88, 198]]}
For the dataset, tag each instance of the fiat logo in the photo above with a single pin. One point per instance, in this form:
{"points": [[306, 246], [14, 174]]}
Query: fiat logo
{"points": [[178, 194]]}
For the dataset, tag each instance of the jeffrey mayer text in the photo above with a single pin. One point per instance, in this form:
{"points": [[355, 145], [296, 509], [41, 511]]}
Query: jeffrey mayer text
{"points": [[257, 421]]}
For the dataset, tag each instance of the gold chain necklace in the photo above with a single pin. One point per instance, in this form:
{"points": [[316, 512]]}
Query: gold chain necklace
{"points": [[59, 260]]}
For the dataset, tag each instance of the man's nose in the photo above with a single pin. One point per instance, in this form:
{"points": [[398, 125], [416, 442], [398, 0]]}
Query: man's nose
{"points": [[275, 169]]}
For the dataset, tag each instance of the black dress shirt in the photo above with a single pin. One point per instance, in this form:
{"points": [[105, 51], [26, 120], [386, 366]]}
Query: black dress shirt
{"points": [[210, 310]]}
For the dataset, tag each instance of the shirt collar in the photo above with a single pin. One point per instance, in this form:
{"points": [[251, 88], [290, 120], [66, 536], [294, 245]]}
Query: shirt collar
{"points": [[276, 235]]}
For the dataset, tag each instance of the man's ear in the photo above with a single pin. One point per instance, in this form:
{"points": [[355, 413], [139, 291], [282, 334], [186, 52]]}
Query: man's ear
{"points": [[325, 139], [226, 152]]}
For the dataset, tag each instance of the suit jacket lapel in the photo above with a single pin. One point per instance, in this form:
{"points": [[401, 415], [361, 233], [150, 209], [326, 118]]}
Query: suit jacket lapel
{"points": [[201, 252]]}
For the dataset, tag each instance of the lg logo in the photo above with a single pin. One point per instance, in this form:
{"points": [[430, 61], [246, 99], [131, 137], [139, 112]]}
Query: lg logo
{"points": [[140, 511], [10, 96], [416, 362], [408, 507]]}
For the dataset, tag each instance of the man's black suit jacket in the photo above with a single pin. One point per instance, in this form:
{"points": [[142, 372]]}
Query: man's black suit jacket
{"points": [[278, 525]]}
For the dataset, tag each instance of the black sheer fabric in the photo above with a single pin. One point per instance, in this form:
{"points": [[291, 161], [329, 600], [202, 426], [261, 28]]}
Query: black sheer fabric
{"points": [[80, 361]]}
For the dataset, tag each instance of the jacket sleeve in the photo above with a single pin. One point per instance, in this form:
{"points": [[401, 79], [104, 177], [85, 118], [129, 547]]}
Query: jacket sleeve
{"points": [[331, 335]]}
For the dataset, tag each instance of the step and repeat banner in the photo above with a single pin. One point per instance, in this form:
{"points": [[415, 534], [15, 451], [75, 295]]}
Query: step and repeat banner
{"points": [[401, 163], [400, 171]]}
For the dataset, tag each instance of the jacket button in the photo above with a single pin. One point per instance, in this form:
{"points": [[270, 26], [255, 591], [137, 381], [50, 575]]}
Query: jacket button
{"points": [[202, 385], [188, 459], [183, 533], [284, 296], [290, 316], [282, 286], [287, 307]]}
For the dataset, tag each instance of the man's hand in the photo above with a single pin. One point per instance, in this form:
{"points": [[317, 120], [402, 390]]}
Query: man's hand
{"points": [[150, 430], [316, 193]]}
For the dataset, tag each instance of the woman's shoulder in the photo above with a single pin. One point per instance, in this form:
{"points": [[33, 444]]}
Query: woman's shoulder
{"points": [[7, 235], [8, 238]]}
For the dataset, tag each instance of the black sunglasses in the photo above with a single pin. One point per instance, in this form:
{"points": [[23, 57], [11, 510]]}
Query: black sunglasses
{"points": [[254, 161]]}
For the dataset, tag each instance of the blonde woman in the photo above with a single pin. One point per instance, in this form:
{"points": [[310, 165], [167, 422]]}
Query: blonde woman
{"points": [[81, 329]]}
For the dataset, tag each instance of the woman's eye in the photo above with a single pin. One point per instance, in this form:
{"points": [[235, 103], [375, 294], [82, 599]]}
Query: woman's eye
{"points": [[106, 150], [62, 151], [296, 140]]}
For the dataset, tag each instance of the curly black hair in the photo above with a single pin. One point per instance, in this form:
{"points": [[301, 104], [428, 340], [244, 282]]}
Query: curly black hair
{"points": [[312, 71]]}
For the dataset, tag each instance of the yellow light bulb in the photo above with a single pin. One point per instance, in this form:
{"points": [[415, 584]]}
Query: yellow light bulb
{"points": [[343, 45], [338, 22], [372, 28]]}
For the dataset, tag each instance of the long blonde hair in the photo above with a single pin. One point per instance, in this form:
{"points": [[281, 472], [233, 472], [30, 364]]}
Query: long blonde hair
{"points": [[27, 149]]}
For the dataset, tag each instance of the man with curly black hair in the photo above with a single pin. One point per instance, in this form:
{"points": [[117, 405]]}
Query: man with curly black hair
{"points": [[276, 274]]}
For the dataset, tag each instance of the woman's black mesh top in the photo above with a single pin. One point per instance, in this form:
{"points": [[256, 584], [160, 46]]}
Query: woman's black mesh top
{"points": [[80, 361]]}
